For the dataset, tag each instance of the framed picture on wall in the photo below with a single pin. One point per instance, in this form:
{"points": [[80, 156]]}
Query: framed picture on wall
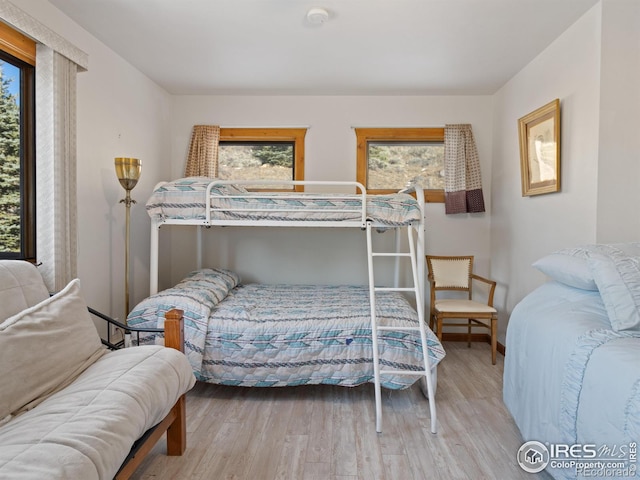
{"points": [[539, 134]]}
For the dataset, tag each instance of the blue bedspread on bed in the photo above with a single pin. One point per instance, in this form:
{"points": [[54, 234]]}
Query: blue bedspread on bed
{"points": [[282, 335], [569, 378], [185, 199]]}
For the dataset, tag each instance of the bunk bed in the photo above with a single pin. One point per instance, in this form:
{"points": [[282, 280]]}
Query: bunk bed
{"points": [[277, 335]]}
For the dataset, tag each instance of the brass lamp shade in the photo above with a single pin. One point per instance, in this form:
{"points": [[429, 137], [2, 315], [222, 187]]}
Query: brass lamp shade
{"points": [[128, 171]]}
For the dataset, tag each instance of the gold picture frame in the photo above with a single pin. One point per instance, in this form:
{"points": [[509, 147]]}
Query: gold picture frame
{"points": [[539, 134]]}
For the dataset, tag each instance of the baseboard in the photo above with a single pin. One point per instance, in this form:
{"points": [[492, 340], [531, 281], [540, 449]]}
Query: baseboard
{"points": [[475, 337]]}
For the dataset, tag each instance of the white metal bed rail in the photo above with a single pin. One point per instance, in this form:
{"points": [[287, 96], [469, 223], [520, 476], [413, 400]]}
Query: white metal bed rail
{"points": [[360, 192], [361, 222], [416, 255]]}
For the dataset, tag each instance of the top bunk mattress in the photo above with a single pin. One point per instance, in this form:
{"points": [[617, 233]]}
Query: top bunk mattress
{"points": [[185, 199]]}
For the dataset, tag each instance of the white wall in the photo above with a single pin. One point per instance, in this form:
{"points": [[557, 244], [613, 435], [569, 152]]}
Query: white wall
{"points": [[524, 229], [120, 113], [319, 255], [619, 149]]}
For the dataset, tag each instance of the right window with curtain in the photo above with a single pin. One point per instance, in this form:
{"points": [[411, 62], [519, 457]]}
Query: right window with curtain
{"points": [[388, 159]]}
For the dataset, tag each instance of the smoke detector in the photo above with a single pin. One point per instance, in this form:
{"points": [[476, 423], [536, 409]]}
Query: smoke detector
{"points": [[317, 16]]}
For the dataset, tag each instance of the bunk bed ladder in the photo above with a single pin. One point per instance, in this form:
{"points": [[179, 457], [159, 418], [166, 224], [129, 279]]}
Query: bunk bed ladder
{"points": [[375, 328]]}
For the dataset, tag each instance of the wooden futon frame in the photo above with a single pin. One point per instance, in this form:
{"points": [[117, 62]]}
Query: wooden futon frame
{"points": [[174, 424]]}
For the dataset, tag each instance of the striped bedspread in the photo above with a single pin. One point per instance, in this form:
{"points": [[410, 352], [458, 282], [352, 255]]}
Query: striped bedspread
{"points": [[283, 335], [184, 199]]}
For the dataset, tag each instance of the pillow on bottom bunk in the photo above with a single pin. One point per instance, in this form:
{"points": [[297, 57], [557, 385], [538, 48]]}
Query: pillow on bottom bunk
{"points": [[196, 295]]}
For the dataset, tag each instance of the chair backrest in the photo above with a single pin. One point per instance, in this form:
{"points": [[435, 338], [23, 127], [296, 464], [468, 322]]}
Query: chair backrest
{"points": [[450, 272], [21, 287]]}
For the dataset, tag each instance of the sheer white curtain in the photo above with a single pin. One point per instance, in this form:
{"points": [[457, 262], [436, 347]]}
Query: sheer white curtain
{"points": [[202, 160], [462, 179], [56, 207], [57, 62]]}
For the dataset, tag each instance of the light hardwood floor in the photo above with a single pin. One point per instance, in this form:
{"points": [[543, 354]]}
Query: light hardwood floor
{"points": [[328, 433]]}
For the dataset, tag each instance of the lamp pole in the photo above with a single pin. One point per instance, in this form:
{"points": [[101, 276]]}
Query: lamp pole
{"points": [[128, 171], [128, 201]]}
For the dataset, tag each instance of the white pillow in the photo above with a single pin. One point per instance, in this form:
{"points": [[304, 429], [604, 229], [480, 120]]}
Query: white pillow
{"points": [[568, 269], [618, 279], [570, 266], [44, 348]]}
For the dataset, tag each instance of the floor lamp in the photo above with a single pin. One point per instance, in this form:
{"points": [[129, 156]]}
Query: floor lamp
{"points": [[128, 172]]}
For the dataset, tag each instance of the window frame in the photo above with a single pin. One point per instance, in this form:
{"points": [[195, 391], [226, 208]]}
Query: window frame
{"points": [[394, 134], [20, 51], [251, 134]]}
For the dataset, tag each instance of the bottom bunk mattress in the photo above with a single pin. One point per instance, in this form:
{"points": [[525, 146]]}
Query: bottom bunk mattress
{"points": [[283, 335]]}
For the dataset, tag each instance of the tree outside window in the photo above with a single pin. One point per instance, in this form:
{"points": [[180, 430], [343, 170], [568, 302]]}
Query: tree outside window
{"points": [[17, 175]]}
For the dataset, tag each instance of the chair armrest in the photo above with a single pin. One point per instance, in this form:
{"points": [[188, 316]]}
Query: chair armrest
{"points": [[490, 283], [125, 328]]}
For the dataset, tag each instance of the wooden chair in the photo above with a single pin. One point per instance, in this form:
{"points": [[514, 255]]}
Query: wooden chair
{"points": [[455, 273]]}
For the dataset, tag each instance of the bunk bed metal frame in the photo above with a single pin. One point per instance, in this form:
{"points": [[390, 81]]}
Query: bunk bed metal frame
{"points": [[358, 219]]}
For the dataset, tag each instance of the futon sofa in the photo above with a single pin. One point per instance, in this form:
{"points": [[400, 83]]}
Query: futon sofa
{"points": [[69, 407]]}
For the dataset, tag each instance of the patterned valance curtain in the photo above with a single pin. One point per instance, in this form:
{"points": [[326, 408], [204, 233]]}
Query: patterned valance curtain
{"points": [[462, 180], [202, 160]]}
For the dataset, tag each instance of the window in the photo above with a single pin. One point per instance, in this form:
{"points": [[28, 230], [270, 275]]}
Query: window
{"points": [[389, 158], [261, 154], [17, 146]]}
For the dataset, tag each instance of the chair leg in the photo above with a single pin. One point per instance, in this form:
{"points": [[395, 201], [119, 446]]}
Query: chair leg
{"points": [[469, 333], [439, 328], [494, 339]]}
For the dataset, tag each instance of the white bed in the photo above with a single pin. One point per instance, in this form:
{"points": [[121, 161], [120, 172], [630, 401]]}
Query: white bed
{"points": [[572, 366], [208, 202], [260, 335]]}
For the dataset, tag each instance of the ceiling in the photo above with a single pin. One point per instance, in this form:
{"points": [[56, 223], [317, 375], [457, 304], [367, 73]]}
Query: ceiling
{"points": [[366, 47]]}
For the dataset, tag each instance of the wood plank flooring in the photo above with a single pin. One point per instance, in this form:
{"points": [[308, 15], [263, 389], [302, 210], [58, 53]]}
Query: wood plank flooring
{"points": [[328, 433]]}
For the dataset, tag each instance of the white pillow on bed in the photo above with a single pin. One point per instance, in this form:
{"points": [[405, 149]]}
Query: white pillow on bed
{"points": [[618, 279], [570, 265], [568, 269]]}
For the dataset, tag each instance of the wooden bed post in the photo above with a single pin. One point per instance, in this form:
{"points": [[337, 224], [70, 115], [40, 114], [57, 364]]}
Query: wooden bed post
{"points": [[175, 422], [174, 329], [174, 338]]}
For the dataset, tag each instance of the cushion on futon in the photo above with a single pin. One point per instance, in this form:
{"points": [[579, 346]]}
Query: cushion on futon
{"points": [[44, 348], [86, 430], [21, 287]]}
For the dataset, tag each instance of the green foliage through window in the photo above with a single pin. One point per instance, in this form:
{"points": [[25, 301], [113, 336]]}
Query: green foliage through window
{"points": [[256, 160], [10, 195], [392, 165]]}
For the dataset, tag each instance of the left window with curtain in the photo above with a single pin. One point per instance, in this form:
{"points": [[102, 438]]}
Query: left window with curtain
{"points": [[17, 145]]}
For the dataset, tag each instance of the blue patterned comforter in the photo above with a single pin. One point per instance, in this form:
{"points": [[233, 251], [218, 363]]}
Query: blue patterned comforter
{"points": [[184, 199], [284, 335]]}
